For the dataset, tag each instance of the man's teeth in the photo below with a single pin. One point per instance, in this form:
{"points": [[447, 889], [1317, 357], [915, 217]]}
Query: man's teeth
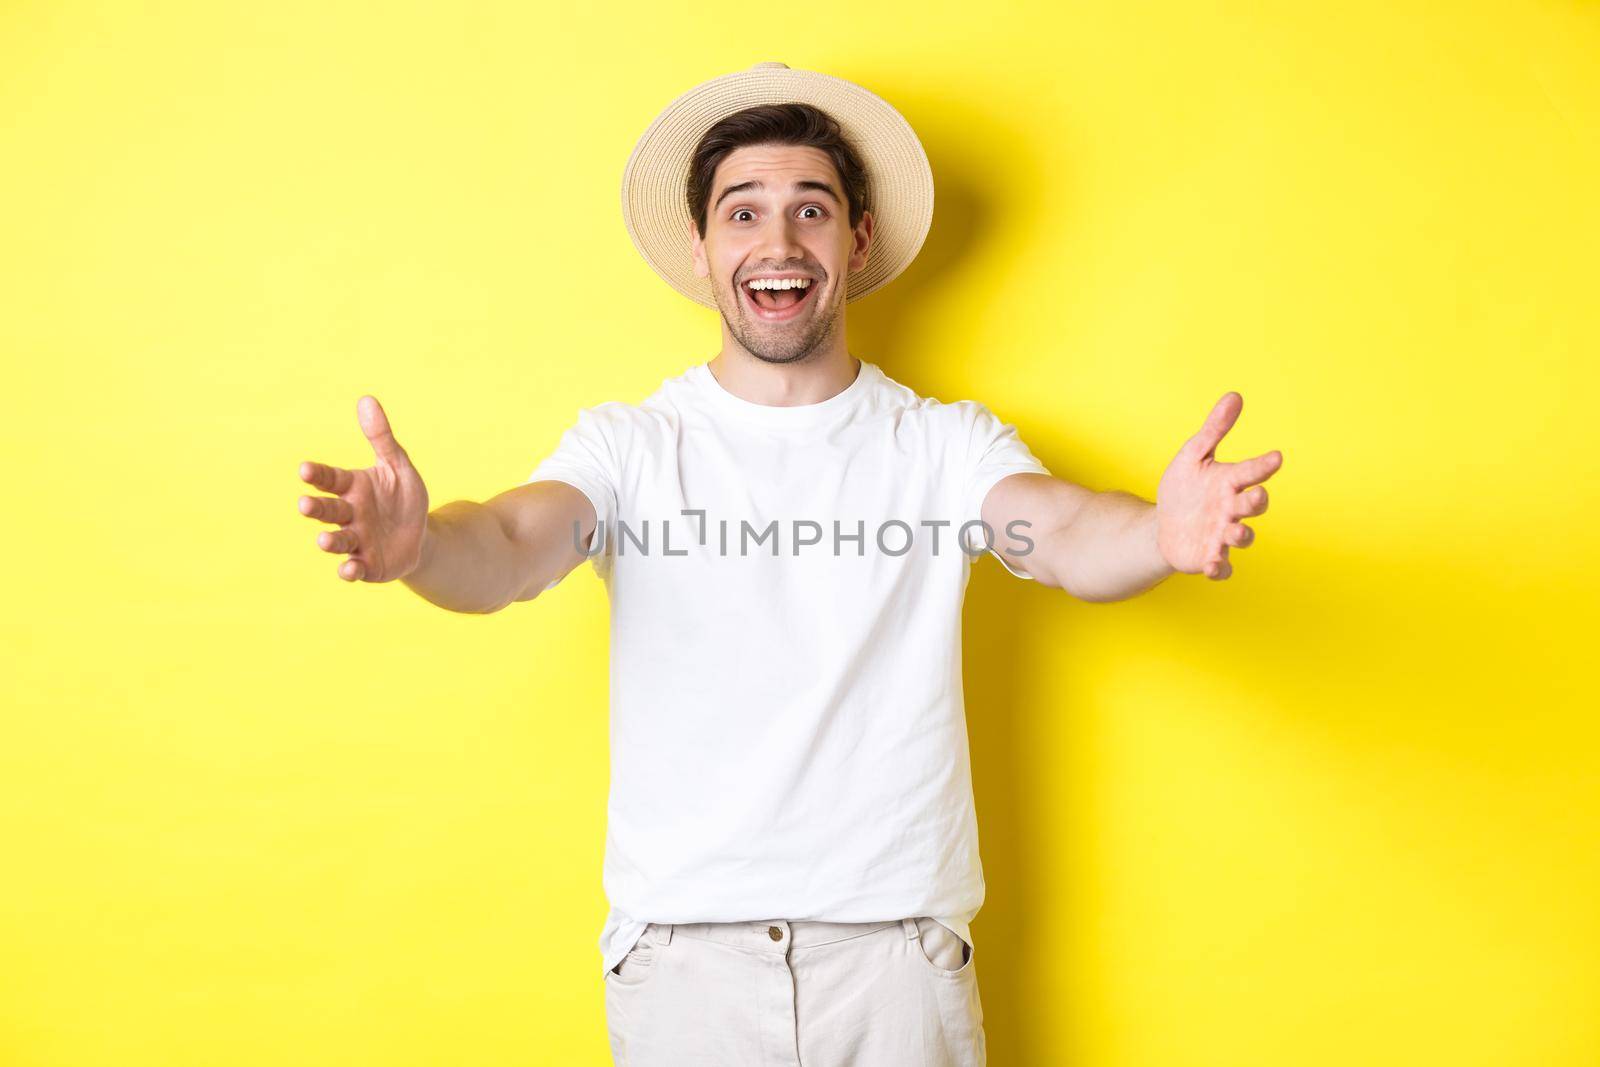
{"points": [[780, 283]]}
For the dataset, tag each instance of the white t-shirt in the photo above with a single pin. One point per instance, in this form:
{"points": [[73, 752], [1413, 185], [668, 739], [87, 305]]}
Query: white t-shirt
{"points": [[788, 735]]}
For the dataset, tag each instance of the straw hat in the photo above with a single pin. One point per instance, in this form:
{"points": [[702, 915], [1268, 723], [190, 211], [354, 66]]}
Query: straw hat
{"points": [[899, 180]]}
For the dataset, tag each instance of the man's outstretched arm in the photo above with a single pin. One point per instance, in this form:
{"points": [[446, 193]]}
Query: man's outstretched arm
{"points": [[464, 556], [1104, 546], [480, 558], [1096, 546]]}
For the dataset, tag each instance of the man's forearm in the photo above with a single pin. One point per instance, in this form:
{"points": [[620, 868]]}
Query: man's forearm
{"points": [[468, 563], [1108, 551]]}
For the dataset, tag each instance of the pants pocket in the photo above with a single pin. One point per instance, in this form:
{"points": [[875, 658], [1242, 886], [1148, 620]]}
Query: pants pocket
{"points": [[941, 948], [636, 967]]}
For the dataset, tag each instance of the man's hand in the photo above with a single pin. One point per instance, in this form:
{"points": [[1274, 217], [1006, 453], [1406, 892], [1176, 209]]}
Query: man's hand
{"points": [[381, 511], [1200, 500]]}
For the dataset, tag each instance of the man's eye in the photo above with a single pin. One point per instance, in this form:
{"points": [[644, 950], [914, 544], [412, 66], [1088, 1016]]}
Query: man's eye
{"points": [[741, 211], [813, 207]]}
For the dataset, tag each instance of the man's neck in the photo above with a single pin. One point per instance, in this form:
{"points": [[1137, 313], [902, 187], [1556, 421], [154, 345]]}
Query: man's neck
{"points": [[809, 381]]}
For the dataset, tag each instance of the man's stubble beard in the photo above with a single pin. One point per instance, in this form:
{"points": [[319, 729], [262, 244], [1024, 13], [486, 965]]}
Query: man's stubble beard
{"points": [[783, 345]]}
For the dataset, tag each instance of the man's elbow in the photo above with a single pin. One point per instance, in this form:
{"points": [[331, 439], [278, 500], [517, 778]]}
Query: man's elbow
{"points": [[1043, 577], [1077, 590], [1074, 585], [1093, 594], [530, 593], [1094, 598]]}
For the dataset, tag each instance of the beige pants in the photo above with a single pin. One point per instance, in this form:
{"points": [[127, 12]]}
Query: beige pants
{"points": [[899, 993]]}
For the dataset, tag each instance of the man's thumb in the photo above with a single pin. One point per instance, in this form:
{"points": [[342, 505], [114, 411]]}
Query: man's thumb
{"points": [[376, 426]]}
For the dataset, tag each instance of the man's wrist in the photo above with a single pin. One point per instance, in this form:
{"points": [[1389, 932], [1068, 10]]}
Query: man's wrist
{"points": [[1152, 538], [429, 543]]}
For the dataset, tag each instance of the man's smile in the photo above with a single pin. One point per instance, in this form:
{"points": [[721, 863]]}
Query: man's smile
{"points": [[778, 297]]}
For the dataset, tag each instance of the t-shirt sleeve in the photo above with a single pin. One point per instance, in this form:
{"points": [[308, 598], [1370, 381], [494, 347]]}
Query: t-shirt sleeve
{"points": [[994, 451], [585, 458]]}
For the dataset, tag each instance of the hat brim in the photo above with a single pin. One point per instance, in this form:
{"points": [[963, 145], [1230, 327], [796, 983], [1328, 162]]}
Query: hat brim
{"points": [[899, 179]]}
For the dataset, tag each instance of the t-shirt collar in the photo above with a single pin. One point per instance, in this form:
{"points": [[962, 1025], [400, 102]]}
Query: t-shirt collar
{"points": [[794, 415]]}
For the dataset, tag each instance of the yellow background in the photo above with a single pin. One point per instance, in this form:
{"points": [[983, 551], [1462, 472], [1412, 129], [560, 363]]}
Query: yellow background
{"points": [[1341, 809]]}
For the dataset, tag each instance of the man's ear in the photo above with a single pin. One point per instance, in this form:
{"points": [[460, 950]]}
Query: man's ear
{"points": [[862, 235], [697, 251]]}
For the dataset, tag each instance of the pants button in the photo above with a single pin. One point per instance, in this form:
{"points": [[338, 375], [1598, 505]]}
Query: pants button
{"points": [[775, 933]]}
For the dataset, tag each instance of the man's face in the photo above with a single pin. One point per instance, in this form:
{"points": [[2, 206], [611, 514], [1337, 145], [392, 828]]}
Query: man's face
{"points": [[778, 211]]}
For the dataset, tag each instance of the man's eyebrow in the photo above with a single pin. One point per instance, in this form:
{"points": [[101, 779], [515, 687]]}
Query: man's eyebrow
{"points": [[799, 186]]}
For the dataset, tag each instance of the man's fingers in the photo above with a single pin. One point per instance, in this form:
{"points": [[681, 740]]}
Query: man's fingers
{"points": [[351, 570], [327, 508], [1218, 565], [324, 477], [1250, 471], [1252, 502], [1219, 422], [375, 424], [337, 540], [1239, 535]]}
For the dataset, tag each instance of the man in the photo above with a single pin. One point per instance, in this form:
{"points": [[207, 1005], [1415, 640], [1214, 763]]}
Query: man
{"points": [[786, 535]]}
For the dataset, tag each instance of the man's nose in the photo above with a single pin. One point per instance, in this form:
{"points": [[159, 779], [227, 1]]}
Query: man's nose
{"points": [[780, 240]]}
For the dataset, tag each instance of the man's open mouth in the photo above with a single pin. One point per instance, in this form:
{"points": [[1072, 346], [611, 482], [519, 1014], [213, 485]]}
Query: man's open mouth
{"points": [[777, 299]]}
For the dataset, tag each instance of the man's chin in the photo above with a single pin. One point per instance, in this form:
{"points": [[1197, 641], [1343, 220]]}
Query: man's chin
{"points": [[791, 354], [776, 342], [762, 348]]}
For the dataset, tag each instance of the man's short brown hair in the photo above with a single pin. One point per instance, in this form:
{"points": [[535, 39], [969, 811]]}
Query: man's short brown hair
{"points": [[777, 124]]}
